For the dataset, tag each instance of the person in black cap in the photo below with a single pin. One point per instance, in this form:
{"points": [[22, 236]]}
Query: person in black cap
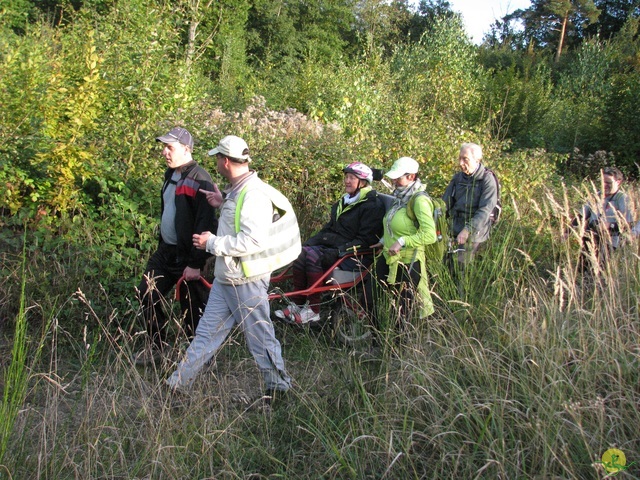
{"points": [[184, 213]]}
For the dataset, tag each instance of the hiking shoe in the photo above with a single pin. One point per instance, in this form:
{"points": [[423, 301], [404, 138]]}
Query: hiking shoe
{"points": [[298, 315], [306, 315], [287, 313], [147, 356]]}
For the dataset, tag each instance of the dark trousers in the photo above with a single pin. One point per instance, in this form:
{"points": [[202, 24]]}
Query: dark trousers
{"points": [[596, 249], [161, 274], [307, 269], [404, 290], [459, 262]]}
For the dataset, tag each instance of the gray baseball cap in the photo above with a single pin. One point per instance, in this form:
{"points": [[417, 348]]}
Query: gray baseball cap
{"points": [[177, 134]]}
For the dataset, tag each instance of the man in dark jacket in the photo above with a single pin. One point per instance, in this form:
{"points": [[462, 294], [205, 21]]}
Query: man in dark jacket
{"points": [[355, 222], [184, 212], [471, 196]]}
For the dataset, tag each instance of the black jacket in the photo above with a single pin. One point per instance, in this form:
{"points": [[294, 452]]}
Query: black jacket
{"points": [[193, 212], [359, 224]]}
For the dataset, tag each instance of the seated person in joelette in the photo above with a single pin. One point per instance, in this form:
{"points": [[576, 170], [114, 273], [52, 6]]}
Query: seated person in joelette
{"points": [[356, 222]]}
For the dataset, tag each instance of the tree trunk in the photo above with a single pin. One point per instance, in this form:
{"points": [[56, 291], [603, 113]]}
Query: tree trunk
{"points": [[191, 45], [562, 32]]}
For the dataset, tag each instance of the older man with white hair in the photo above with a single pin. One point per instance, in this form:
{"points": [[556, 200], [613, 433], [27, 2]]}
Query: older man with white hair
{"points": [[471, 197]]}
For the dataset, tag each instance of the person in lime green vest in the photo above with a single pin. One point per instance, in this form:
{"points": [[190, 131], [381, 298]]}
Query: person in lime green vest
{"points": [[402, 264], [239, 294]]}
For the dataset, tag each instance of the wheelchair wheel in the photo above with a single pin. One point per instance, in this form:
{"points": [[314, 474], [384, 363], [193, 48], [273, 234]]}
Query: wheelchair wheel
{"points": [[348, 327]]}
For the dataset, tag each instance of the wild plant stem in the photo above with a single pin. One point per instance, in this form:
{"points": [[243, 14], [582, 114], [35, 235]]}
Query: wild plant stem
{"points": [[15, 378]]}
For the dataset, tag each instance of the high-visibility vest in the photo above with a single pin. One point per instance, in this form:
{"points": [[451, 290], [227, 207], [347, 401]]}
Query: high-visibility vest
{"points": [[283, 245]]}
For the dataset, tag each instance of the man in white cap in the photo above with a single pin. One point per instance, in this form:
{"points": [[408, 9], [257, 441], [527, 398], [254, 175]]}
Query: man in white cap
{"points": [[239, 292], [184, 213]]}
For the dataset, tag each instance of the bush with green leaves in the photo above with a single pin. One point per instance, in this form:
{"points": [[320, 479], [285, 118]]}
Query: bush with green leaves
{"points": [[621, 120], [518, 99], [300, 156], [440, 75], [580, 98], [86, 103], [423, 101]]}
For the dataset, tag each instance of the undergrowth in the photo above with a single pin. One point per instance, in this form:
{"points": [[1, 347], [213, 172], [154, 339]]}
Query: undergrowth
{"points": [[534, 373]]}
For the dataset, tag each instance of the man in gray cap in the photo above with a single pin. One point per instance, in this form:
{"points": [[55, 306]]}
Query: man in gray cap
{"points": [[184, 213]]}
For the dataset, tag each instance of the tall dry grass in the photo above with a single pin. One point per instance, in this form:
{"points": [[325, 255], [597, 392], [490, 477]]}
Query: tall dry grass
{"points": [[532, 374]]}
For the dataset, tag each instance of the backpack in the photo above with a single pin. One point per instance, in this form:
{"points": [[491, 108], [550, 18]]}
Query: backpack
{"points": [[494, 217], [434, 251]]}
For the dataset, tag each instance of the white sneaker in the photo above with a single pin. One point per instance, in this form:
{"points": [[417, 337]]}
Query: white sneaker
{"points": [[306, 315], [287, 313]]}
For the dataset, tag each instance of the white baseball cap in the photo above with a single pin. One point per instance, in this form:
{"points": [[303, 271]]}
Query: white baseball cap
{"points": [[401, 166], [232, 147]]}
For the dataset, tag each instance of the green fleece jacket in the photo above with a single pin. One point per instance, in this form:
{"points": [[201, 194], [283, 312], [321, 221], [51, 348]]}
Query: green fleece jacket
{"points": [[400, 225]]}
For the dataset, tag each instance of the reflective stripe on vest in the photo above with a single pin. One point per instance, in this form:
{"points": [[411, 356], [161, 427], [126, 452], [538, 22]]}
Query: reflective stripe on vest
{"points": [[283, 245]]}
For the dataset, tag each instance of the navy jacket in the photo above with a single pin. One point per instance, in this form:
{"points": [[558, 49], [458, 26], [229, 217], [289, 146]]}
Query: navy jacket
{"points": [[359, 224]]}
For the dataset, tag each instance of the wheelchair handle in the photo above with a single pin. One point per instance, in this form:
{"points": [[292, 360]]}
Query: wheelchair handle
{"points": [[183, 279], [355, 251]]}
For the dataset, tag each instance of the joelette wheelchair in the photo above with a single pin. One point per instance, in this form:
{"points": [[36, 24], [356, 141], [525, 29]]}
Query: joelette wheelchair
{"points": [[341, 312]]}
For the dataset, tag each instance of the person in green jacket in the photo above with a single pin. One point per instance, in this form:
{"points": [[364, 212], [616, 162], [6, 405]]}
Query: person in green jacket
{"points": [[402, 265]]}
